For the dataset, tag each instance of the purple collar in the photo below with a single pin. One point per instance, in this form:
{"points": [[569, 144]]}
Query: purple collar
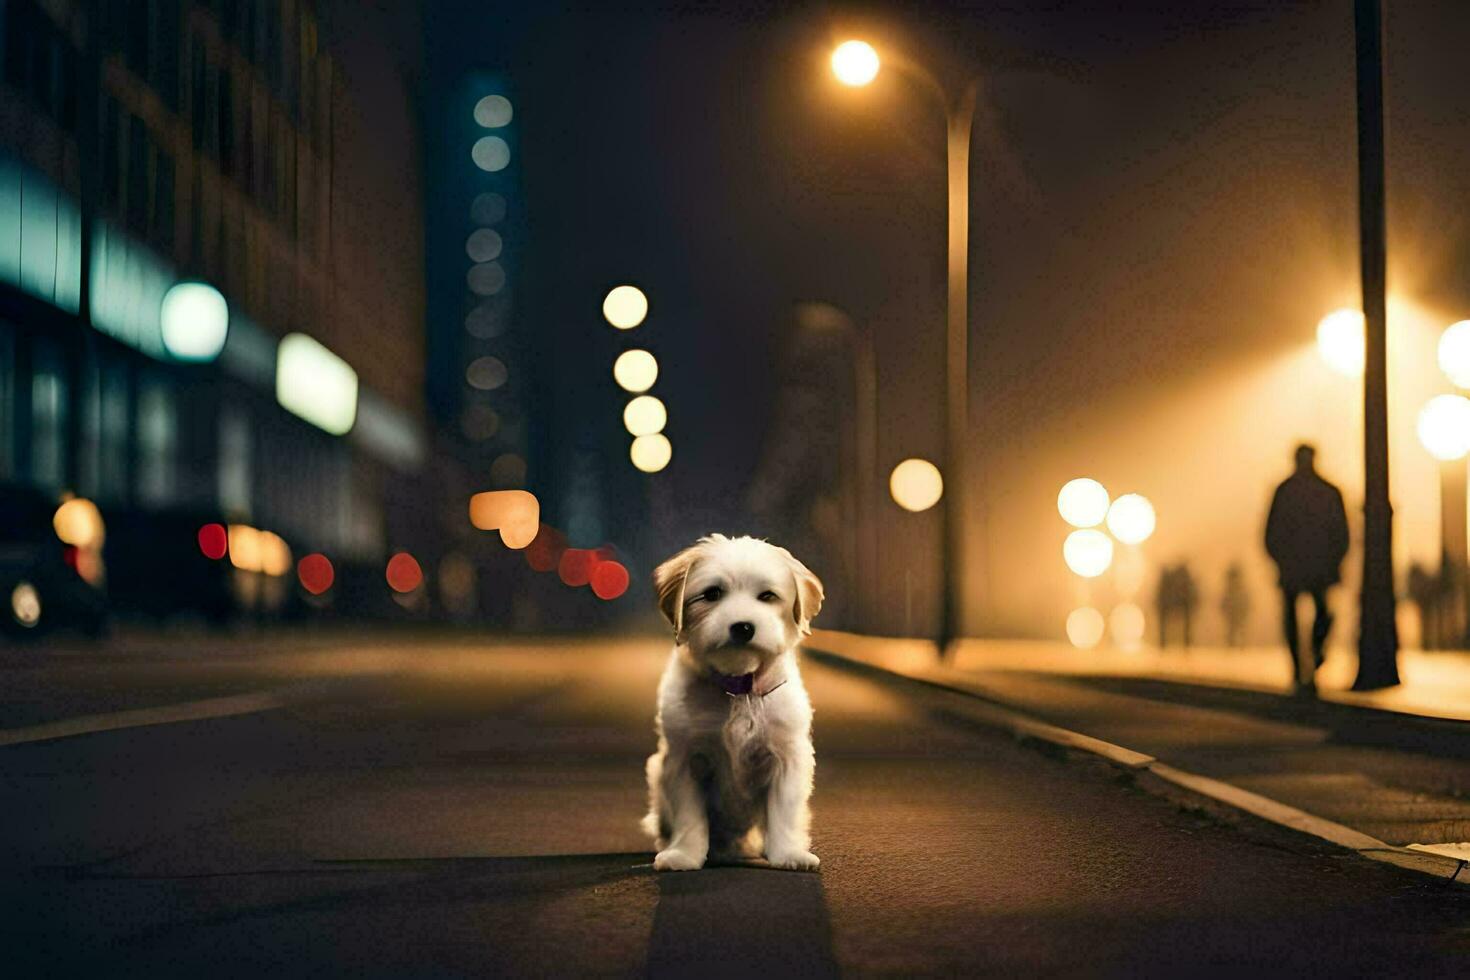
{"points": [[741, 684]]}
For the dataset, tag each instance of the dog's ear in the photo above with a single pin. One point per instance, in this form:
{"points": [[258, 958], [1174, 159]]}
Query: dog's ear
{"points": [[668, 582], [809, 593]]}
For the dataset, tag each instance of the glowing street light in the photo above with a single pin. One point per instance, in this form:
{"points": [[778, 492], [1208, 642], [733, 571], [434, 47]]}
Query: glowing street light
{"points": [[1089, 552], [195, 319], [1444, 427], [1340, 341], [1131, 518], [1083, 502], [916, 485], [635, 370], [1085, 627], [645, 416], [1454, 353], [855, 63], [651, 453], [625, 307]]}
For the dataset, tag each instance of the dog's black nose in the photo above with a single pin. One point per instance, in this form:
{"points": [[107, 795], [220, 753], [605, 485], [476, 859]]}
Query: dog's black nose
{"points": [[742, 632]]}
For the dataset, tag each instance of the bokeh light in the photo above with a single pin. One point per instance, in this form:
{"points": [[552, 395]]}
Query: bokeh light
{"points": [[25, 605], [916, 485], [1131, 518], [195, 319], [316, 384], [403, 573], [1340, 341], [1085, 627], [494, 111], [483, 245], [1454, 353], [1126, 623], [486, 373], [479, 422], [516, 514], [609, 579], [576, 565], [508, 470], [855, 63], [213, 541], [644, 416], [485, 279], [625, 307], [275, 554], [1088, 552], [1444, 427], [486, 320], [1083, 502], [487, 209], [635, 370], [544, 552], [244, 547], [651, 453], [78, 522], [490, 153], [316, 573]]}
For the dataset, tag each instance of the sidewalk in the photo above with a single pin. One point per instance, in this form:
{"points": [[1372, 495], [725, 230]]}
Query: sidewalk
{"points": [[1398, 772]]}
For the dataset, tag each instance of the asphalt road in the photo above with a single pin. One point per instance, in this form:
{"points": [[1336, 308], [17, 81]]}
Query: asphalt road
{"points": [[442, 808]]}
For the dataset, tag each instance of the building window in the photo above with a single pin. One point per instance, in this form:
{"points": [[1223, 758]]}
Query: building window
{"points": [[48, 415], [158, 437]]}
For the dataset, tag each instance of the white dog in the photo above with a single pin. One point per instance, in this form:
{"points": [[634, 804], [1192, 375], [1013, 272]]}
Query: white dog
{"points": [[734, 765]]}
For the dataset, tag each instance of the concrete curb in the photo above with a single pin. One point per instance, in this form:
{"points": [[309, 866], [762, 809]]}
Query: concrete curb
{"points": [[996, 714]]}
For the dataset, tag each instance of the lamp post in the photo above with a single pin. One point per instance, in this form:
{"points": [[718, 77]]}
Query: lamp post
{"points": [[856, 63]]}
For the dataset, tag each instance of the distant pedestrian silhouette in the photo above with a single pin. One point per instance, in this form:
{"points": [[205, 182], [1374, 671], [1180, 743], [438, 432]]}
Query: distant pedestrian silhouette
{"points": [[1235, 604], [1176, 598], [1307, 537]]}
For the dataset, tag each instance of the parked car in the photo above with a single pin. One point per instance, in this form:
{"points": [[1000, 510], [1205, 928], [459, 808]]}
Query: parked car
{"points": [[48, 583]]}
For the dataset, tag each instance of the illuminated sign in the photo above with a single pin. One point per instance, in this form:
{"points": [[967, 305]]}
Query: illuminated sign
{"points": [[316, 384]]}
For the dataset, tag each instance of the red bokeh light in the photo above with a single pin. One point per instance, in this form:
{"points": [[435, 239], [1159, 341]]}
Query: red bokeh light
{"points": [[213, 541], [316, 573], [576, 565], [404, 573], [609, 579], [544, 553]]}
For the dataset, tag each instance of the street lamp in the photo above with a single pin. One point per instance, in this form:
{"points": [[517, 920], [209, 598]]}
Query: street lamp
{"points": [[856, 63]]}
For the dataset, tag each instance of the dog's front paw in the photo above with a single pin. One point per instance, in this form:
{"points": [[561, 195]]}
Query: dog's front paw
{"points": [[794, 860], [674, 859]]}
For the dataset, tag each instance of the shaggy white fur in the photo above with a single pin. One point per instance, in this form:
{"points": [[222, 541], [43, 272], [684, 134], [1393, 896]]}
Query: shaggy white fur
{"points": [[733, 771]]}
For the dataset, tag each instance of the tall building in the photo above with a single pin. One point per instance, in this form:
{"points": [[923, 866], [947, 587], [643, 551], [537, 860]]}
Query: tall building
{"points": [[269, 150]]}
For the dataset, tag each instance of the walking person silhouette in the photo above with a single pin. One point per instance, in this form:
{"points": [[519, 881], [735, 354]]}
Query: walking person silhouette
{"points": [[1307, 537]]}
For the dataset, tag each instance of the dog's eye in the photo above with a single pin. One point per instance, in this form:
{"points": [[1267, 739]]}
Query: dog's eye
{"points": [[768, 596], [712, 594]]}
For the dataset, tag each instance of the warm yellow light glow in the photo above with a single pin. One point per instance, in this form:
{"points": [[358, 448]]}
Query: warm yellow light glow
{"points": [[635, 370], [1083, 502], [513, 511], [245, 550], [1088, 552], [78, 522], [25, 604], [1131, 518], [1085, 627], [645, 415], [275, 554], [625, 307], [1340, 341], [1444, 427], [651, 453], [855, 63], [1454, 353], [1126, 624], [916, 485]]}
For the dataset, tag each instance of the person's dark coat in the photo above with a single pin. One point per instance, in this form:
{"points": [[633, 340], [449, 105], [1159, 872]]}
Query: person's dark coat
{"points": [[1307, 532]]}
